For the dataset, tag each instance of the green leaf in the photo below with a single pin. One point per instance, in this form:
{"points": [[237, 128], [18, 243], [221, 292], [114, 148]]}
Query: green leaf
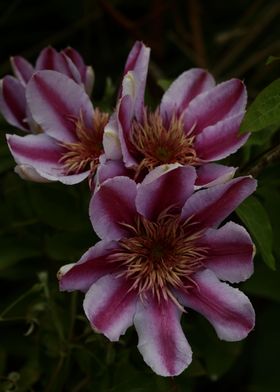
{"points": [[164, 83], [265, 110], [271, 59], [255, 218]]}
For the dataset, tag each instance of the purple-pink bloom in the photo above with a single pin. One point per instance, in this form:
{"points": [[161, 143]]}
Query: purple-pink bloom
{"points": [[70, 145], [13, 104], [161, 250], [196, 123]]}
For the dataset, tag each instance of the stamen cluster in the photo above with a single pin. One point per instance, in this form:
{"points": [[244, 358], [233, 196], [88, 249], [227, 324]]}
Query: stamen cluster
{"points": [[160, 255], [157, 143], [85, 152]]}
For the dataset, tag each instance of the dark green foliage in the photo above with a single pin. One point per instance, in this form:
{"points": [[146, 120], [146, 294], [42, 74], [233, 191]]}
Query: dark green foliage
{"points": [[46, 343]]}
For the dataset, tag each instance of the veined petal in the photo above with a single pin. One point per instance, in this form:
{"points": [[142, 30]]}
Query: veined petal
{"points": [[220, 140], [183, 90], [225, 100], [56, 102], [209, 207], [110, 306], [13, 102], [211, 174], [230, 252], [112, 207], [162, 342], [92, 266], [138, 62], [22, 69], [170, 189], [226, 308]]}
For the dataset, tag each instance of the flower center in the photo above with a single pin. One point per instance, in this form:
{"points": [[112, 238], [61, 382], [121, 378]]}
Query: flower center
{"points": [[84, 153], [160, 255], [156, 144]]}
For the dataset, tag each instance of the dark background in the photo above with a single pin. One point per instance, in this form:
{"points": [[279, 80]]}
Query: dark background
{"points": [[46, 343]]}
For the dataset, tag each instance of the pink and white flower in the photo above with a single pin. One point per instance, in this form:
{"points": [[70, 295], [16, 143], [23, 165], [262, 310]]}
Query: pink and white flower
{"points": [[13, 104], [196, 123], [161, 250], [69, 148]]}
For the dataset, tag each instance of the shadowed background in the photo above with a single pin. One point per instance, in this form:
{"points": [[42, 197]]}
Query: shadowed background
{"points": [[46, 343]]}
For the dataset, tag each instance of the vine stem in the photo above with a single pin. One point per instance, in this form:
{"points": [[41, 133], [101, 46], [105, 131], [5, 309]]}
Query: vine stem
{"points": [[262, 162]]}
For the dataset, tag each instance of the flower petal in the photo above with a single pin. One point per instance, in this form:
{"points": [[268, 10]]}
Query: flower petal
{"points": [[220, 140], [22, 69], [162, 342], [112, 207], [110, 306], [138, 62], [226, 308], [171, 188], [209, 207], [86, 72], [110, 169], [184, 89], [28, 173], [211, 174], [230, 252], [41, 155], [224, 100], [124, 118], [13, 102], [56, 102], [111, 142], [92, 265]]}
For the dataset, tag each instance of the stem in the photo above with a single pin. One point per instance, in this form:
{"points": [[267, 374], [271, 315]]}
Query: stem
{"points": [[263, 161], [19, 299]]}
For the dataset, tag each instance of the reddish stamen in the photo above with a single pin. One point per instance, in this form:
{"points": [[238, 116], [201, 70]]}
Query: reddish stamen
{"points": [[85, 152], [157, 144], [160, 255]]}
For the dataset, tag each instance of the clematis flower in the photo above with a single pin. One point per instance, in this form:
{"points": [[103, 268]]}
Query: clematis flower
{"points": [[13, 105], [161, 250], [69, 148], [196, 123]]}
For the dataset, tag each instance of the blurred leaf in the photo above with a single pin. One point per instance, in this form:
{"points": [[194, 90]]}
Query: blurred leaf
{"points": [[68, 245], [58, 207], [11, 254], [255, 218], [264, 111], [264, 283], [271, 59], [164, 83]]}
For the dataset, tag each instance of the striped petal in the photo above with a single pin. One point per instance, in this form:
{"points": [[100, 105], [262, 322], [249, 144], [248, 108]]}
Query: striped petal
{"points": [[137, 65], [112, 207], [164, 188], [43, 154], [92, 266], [110, 306], [56, 102], [230, 252], [225, 100], [226, 308], [220, 140], [22, 69], [162, 342], [13, 102], [209, 207], [211, 174], [183, 90]]}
